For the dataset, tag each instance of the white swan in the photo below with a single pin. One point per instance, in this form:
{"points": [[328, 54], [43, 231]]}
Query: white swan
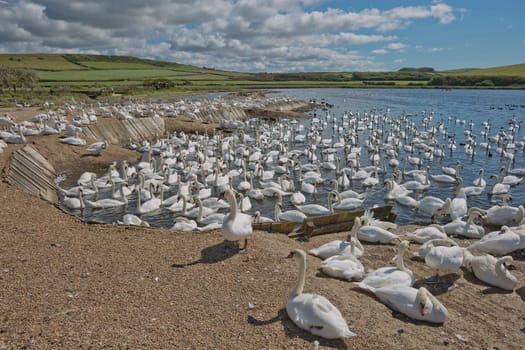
{"points": [[504, 215], [351, 246], [424, 248], [387, 225], [316, 209], [444, 259], [236, 225], [134, 220], [466, 229], [418, 304], [150, 205], [184, 224], [109, 202], [346, 267], [289, 215], [497, 187], [75, 202], [313, 312], [390, 276], [347, 203], [424, 234], [492, 271], [374, 234], [97, 147], [497, 242]]}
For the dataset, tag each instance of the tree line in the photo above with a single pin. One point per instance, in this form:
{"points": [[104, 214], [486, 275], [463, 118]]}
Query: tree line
{"points": [[14, 78]]}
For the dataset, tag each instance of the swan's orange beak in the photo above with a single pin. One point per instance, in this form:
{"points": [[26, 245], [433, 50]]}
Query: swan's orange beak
{"points": [[422, 310]]}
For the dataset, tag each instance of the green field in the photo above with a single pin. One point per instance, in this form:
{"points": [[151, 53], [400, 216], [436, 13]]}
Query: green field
{"points": [[38, 62], [517, 70], [76, 73]]}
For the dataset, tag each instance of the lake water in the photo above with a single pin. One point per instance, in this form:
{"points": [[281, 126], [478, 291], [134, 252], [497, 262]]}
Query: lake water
{"points": [[455, 110]]}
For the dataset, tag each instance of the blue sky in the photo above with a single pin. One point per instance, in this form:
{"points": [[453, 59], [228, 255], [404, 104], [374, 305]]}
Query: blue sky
{"points": [[274, 35]]}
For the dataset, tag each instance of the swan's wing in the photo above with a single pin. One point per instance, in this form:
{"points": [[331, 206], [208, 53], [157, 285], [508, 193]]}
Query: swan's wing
{"points": [[317, 312]]}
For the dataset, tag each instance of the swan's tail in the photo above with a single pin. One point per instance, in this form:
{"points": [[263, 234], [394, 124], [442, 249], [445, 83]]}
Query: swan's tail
{"points": [[365, 286]]}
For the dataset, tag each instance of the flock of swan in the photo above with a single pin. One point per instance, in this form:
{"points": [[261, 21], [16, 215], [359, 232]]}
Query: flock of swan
{"points": [[230, 180]]}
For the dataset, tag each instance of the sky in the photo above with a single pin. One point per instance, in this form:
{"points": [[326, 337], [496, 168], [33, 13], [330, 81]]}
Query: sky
{"points": [[274, 35]]}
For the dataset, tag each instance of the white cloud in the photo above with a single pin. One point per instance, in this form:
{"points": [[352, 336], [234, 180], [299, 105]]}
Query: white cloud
{"points": [[436, 49], [242, 35], [400, 60], [380, 52], [396, 46]]}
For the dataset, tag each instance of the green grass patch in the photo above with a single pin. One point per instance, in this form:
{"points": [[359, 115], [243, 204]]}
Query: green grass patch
{"points": [[517, 70], [108, 74], [52, 62], [116, 65]]}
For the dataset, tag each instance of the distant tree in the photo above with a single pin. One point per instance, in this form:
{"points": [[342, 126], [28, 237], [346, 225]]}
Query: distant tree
{"points": [[13, 78]]}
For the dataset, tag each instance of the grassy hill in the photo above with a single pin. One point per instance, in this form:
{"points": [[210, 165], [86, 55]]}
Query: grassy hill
{"points": [[100, 74], [517, 70]]}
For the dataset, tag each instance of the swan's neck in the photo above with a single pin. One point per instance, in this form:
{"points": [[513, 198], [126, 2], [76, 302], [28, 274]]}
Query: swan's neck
{"points": [[298, 290], [233, 204], [400, 262], [199, 202], [277, 212], [124, 198]]}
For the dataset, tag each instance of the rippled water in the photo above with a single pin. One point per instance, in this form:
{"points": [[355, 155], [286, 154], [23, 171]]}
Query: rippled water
{"points": [[447, 106]]}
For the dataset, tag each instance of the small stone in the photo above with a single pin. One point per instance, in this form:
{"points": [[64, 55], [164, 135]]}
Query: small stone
{"points": [[460, 337], [400, 331], [251, 306]]}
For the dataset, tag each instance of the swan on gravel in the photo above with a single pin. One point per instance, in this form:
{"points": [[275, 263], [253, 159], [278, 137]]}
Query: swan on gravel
{"points": [[313, 312]]}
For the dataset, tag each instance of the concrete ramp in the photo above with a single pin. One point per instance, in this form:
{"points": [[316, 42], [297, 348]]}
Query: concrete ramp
{"points": [[29, 171], [118, 132]]}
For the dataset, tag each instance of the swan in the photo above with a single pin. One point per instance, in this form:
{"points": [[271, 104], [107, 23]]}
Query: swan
{"points": [[181, 204], [150, 205], [313, 312], [387, 225], [75, 202], [497, 187], [351, 246], [424, 234], [134, 220], [200, 210], [343, 266], [503, 215], [289, 215], [424, 249], [395, 190], [235, 225], [374, 234], [109, 202], [466, 229], [97, 147], [297, 198], [492, 270], [457, 207], [75, 141], [316, 209], [480, 181], [430, 204], [497, 242], [347, 193], [418, 304], [259, 219], [444, 259], [347, 203], [184, 224], [390, 276]]}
